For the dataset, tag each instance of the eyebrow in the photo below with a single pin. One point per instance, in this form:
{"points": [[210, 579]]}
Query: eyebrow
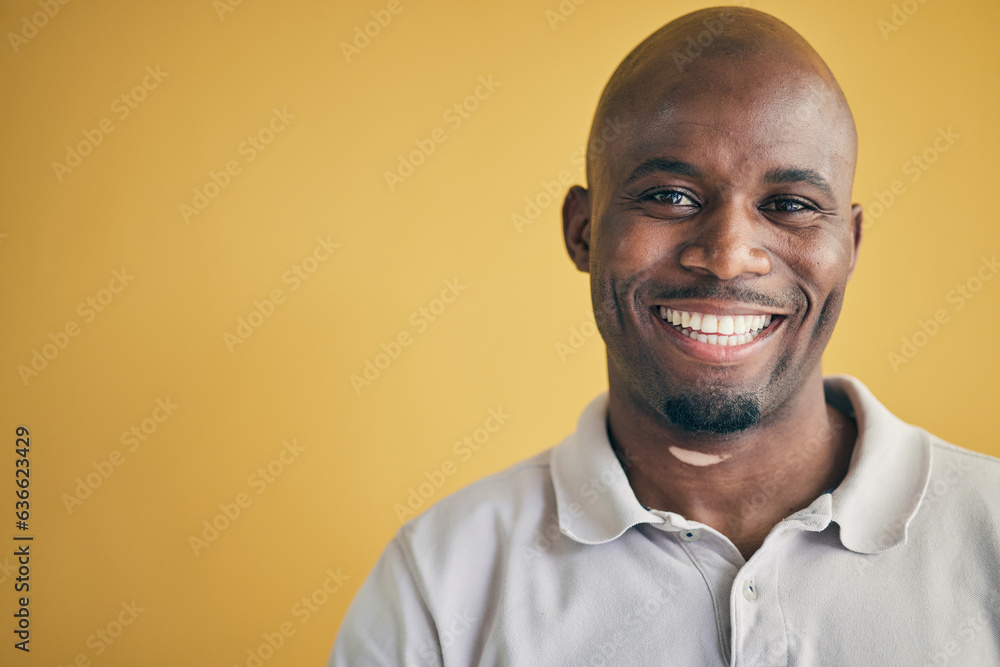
{"points": [[798, 175], [774, 176], [658, 165]]}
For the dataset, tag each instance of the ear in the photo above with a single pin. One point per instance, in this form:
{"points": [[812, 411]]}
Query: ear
{"points": [[857, 226], [576, 226]]}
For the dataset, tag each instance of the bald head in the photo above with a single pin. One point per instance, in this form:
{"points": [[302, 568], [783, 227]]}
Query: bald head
{"points": [[725, 56]]}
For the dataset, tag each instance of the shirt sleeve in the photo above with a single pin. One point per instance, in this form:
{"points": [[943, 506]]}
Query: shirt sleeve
{"points": [[388, 622]]}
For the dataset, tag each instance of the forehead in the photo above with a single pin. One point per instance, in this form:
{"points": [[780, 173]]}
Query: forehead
{"points": [[737, 120]]}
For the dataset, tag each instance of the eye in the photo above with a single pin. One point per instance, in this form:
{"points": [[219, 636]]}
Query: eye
{"points": [[669, 197], [787, 205]]}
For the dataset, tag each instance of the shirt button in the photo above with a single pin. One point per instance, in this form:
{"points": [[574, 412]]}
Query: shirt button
{"points": [[690, 535], [749, 590]]}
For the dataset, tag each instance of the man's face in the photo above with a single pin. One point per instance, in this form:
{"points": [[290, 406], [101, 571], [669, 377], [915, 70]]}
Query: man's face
{"points": [[728, 202]]}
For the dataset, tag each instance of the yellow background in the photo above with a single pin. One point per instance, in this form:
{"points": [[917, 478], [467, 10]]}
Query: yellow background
{"points": [[494, 346]]}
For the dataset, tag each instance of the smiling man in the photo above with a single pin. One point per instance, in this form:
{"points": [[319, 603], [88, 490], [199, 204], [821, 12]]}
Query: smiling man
{"points": [[723, 503]]}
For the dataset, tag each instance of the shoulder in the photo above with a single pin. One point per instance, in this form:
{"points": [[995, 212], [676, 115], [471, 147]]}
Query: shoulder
{"points": [[962, 499], [971, 479], [958, 520], [488, 508], [458, 551]]}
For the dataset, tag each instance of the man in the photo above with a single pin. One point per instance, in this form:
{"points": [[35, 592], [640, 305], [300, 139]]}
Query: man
{"points": [[723, 503]]}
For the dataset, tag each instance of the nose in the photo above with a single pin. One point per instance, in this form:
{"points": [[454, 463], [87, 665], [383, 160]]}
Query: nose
{"points": [[725, 243]]}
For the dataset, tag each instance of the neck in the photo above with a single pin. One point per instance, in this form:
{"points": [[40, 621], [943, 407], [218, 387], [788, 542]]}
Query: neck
{"points": [[742, 484]]}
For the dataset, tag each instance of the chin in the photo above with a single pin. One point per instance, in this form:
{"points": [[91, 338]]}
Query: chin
{"points": [[716, 413]]}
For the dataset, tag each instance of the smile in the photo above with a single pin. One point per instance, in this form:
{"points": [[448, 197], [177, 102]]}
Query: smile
{"points": [[723, 330]]}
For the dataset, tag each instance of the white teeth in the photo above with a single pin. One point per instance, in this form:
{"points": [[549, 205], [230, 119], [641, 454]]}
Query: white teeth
{"points": [[713, 329], [726, 325]]}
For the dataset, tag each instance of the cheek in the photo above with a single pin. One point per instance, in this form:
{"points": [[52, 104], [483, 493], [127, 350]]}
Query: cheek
{"points": [[833, 256], [632, 249], [822, 267], [621, 255], [820, 261]]}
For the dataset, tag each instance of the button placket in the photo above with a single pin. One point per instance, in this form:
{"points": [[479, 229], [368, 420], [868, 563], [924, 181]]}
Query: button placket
{"points": [[690, 535], [702, 546], [759, 635], [749, 589]]}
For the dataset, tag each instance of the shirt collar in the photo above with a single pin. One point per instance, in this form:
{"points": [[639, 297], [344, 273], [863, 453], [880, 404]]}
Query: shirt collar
{"points": [[873, 505], [594, 499], [888, 475]]}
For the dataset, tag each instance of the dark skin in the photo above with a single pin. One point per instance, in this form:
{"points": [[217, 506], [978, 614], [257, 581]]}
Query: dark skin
{"points": [[728, 193]]}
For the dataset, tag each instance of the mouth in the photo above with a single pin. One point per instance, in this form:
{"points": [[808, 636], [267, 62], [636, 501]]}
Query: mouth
{"points": [[718, 338]]}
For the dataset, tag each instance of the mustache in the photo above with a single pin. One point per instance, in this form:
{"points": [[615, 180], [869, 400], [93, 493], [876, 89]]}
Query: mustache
{"points": [[789, 299]]}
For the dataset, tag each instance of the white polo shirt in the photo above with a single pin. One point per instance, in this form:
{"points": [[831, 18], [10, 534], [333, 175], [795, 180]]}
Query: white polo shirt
{"points": [[555, 562]]}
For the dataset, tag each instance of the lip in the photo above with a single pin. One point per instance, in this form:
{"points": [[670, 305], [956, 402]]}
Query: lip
{"points": [[722, 355]]}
